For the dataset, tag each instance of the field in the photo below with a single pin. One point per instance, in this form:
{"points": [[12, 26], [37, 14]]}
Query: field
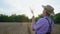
{"points": [[21, 28]]}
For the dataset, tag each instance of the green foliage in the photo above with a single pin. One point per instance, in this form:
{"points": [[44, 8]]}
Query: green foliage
{"points": [[3, 18], [23, 18], [13, 18], [57, 18]]}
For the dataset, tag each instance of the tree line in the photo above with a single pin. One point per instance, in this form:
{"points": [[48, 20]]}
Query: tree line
{"points": [[13, 18], [23, 18]]}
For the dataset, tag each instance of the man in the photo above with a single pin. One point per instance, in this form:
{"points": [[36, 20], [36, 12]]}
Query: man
{"points": [[45, 24]]}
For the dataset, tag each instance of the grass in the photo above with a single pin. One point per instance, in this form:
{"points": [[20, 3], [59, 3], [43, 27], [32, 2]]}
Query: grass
{"points": [[21, 28]]}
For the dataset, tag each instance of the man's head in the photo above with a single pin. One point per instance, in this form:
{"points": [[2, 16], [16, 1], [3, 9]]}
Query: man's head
{"points": [[48, 10]]}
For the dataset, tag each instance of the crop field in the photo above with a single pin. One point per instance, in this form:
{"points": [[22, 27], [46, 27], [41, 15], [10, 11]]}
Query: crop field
{"points": [[21, 28]]}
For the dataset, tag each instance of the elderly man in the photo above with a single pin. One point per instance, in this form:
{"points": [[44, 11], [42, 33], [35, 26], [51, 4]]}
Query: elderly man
{"points": [[45, 24]]}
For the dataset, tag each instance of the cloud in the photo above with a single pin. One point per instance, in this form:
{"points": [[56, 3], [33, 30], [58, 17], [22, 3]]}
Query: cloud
{"points": [[10, 7]]}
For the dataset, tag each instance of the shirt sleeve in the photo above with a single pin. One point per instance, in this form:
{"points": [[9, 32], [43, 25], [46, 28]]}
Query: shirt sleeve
{"points": [[39, 23]]}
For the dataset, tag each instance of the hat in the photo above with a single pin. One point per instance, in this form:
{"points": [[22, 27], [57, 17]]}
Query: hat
{"points": [[49, 9]]}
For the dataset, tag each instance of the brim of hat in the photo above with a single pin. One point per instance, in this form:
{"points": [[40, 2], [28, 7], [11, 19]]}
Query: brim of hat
{"points": [[43, 6]]}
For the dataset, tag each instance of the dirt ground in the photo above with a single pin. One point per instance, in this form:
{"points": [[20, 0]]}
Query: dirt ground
{"points": [[21, 28]]}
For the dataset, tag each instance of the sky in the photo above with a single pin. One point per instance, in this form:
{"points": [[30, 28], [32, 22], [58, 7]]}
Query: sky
{"points": [[18, 7]]}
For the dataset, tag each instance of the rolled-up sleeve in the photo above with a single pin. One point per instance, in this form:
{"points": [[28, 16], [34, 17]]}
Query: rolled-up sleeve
{"points": [[39, 23]]}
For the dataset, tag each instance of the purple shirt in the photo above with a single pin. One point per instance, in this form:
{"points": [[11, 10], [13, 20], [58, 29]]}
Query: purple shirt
{"points": [[42, 25]]}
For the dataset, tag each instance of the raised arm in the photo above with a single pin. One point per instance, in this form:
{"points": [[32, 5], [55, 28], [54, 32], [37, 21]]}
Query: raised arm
{"points": [[33, 18]]}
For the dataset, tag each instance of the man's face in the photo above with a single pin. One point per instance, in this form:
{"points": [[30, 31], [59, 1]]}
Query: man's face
{"points": [[44, 12]]}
